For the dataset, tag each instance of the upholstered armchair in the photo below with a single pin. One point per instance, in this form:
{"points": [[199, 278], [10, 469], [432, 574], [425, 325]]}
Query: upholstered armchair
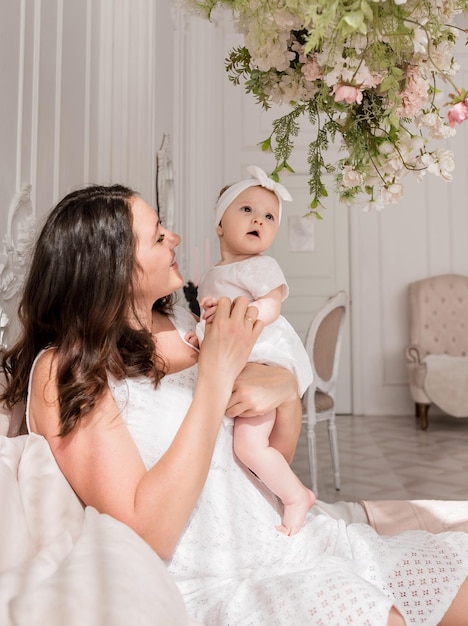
{"points": [[437, 357]]}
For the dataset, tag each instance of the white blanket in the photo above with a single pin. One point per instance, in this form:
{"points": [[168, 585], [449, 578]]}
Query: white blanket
{"points": [[446, 383], [63, 564]]}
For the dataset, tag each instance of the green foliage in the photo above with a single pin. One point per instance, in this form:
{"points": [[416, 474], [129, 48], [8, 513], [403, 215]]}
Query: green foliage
{"points": [[363, 72]]}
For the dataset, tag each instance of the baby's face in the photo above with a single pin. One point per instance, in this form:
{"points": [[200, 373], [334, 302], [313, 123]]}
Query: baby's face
{"points": [[250, 223]]}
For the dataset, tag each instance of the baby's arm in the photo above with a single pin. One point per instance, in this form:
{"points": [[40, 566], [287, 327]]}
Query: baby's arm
{"points": [[269, 305]]}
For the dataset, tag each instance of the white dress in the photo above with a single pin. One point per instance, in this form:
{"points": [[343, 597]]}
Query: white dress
{"points": [[278, 343], [234, 569]]}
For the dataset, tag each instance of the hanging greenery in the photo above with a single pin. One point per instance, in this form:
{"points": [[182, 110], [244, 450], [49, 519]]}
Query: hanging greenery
{"points": [[364, 72]]}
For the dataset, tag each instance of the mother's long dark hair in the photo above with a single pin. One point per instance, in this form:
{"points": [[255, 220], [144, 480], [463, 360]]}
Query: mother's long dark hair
{"points": [[77, 298]]}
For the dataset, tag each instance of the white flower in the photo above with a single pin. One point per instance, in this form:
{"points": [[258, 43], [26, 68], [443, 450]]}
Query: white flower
{"points": [[441, 59], [438, 129], [373, 205], [351, 178], [420, 40], [392, 160], [446, 163], [391, 194], [440, 162]]}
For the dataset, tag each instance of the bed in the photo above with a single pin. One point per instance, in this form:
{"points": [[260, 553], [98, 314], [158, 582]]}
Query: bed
{"points": [[62, 563]]}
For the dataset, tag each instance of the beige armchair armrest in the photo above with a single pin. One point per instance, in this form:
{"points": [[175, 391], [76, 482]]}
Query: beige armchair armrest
{"points": [[413, 354], [416, 374]]}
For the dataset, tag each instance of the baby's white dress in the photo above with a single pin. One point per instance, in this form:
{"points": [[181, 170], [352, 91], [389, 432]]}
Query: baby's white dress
{"points": [[278, 343], [234, 569]]}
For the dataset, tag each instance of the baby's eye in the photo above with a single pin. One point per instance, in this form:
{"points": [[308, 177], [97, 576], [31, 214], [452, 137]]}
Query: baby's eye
{"points": [[160, 239], [246, 209], [269, 216]]}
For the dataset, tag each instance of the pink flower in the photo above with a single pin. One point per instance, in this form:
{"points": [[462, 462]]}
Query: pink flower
{"points": [[311, 69], [458, 113], [414, 95], [347, 93]]}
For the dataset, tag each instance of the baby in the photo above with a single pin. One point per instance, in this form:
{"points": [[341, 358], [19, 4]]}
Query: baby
{"points": [[248, 216]]}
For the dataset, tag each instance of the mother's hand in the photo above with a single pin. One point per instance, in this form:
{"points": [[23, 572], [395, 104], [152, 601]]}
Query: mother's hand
{"points": [[262, 388], [228, 341]]}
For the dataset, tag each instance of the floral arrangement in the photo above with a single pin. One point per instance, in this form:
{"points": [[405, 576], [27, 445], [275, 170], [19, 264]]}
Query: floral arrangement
{"points": [[363, 71]]}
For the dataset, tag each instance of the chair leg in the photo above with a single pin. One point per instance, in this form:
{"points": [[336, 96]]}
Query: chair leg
{"points": [[312, 445], [421, 413], [333, 439]]}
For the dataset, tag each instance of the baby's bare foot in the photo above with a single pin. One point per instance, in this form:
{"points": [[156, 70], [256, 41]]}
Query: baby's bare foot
{"points": [[295, 512], [283, 529]]}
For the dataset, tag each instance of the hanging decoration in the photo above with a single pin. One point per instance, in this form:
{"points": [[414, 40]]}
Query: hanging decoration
{"points": [[368, 74]]}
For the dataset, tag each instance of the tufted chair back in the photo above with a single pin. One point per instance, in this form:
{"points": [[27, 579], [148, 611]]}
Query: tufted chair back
{"points": [[439, 315], [437, 356]]}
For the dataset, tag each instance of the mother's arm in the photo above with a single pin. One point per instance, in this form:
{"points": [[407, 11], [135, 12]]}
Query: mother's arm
{"points": [[100, 459], [262, 388]]}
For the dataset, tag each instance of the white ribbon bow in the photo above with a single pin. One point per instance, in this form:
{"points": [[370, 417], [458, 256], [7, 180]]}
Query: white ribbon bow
{"points": [[277, 188], [259, 179]]}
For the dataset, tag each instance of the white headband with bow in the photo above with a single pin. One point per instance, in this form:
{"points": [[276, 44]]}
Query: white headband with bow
{"points": [[259, 179]]}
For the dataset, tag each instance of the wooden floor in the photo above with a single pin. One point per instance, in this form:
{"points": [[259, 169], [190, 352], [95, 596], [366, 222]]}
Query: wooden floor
{"points": [[391, 458]]}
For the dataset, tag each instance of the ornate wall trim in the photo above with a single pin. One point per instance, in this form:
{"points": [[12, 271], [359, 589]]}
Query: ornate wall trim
{"points": [[14, 258]]}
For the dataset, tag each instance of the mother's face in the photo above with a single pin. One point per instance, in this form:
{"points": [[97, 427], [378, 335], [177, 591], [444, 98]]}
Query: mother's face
{"points": [[158, 273]]}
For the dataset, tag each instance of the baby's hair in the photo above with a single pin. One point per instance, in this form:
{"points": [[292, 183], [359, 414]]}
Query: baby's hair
{"points": [[225, 188]]}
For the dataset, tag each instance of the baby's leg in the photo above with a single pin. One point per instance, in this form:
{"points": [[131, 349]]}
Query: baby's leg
{"points": [[251, 445]]}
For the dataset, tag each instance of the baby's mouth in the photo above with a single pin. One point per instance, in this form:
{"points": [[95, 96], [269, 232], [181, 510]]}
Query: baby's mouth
{"points": [[255, 233]]}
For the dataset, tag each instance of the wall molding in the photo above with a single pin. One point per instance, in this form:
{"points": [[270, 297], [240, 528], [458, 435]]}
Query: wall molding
{"points": [[14, 258]]}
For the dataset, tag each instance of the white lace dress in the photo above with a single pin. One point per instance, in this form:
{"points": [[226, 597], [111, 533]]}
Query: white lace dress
{"points": [[234, 569]]}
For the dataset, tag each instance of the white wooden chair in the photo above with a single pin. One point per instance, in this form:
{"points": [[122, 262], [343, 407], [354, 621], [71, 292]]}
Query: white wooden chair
{"points": [[323, 344]]}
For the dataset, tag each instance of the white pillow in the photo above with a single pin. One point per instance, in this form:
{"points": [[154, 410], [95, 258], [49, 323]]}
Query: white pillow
{"points": [[50, 505], [110, 577], [62, 564], [16, 543]]}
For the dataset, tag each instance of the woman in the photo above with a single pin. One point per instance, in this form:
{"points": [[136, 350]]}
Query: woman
{"points": [[137, 426]]}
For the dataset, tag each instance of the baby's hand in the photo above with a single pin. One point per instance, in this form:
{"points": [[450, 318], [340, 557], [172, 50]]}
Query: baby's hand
{"points": [[209, 306], [192, 339]]}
